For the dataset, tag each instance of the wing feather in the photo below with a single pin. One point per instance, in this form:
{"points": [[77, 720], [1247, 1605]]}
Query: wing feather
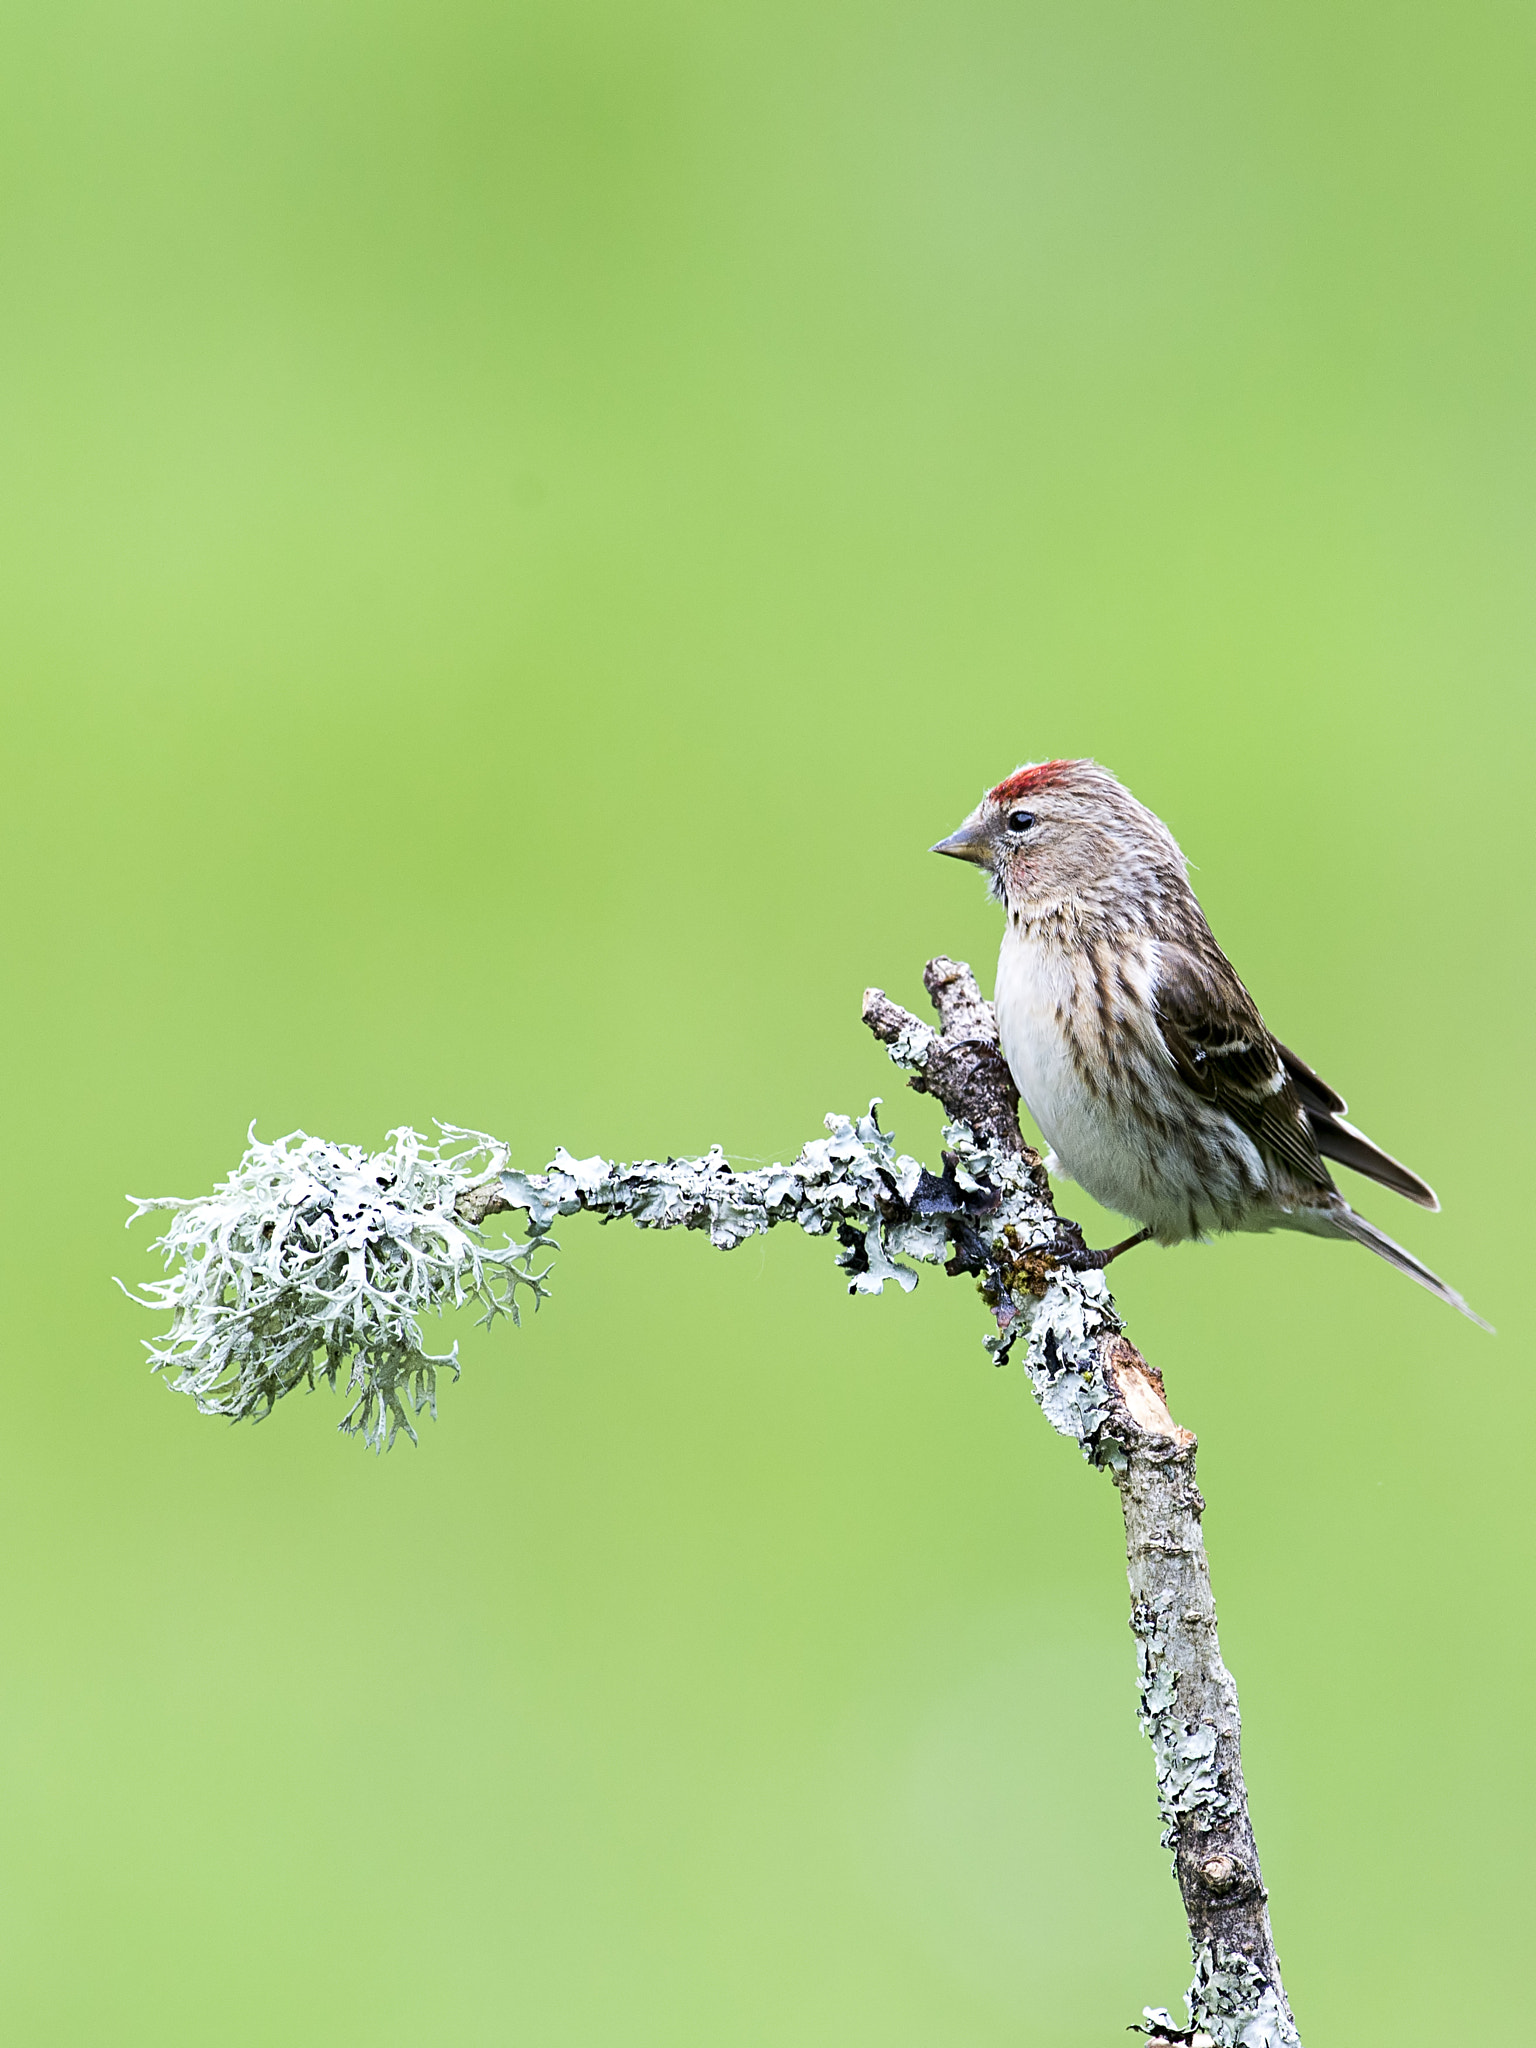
{"points": [[1311, 1087], [1221, 1049]]}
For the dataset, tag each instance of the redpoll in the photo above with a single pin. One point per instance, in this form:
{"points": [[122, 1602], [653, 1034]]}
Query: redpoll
{"points": [[1140, 1054]]}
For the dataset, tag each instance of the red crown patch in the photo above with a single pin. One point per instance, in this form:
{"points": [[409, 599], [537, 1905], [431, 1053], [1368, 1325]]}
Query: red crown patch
{"points": [[1029, 781]]}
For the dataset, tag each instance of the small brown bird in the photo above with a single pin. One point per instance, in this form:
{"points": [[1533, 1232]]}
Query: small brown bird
{"points": [[1137, 1049]]}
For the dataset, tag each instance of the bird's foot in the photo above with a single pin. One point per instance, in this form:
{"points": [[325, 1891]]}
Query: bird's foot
{"points": [[1070, 1251]]}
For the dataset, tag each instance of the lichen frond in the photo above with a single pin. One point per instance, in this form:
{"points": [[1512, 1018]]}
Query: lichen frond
{"points": [[318, 1261]]}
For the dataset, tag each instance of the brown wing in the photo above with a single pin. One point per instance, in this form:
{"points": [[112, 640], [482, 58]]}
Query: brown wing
{"points": [[1316, 1096], [1341, 1141], [1220, 1049]]}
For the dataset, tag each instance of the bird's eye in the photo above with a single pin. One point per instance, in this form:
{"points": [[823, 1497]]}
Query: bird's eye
{"points": [[1020, 821]]}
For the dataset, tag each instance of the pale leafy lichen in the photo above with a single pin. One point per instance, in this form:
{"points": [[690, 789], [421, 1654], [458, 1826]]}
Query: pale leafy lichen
{"points": [[1231, 2003]]}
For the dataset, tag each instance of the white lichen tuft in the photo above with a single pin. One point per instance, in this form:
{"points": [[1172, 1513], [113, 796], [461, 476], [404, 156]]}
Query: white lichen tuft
{"points": [[318, 1261]]}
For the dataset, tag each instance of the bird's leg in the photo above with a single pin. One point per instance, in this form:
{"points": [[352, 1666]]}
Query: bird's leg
{"points": [[1074, 1253]]}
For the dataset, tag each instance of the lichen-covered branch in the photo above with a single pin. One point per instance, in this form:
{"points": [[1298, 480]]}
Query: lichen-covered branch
{"points": [[319, 1261], [1094, 1385]]}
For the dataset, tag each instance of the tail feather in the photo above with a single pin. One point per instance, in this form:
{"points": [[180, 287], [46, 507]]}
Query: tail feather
{"points": [[1342, 1142], [1349, 1225]]}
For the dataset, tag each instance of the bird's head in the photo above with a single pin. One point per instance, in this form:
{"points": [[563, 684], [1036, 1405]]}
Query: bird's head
{"points": [[1056, 832]]}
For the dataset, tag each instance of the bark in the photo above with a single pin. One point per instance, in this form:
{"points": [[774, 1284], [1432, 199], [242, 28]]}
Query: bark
{"points": [[1188, 1698]]}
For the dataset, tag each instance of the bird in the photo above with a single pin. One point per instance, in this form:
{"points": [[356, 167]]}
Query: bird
{"points": [[1131, 1038]]}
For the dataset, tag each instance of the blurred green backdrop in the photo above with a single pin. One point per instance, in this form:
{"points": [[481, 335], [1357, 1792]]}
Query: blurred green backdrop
{"points": [[520, 525]]}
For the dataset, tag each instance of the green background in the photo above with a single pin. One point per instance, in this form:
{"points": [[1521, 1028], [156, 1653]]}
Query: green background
{"points": [[520, 526]]}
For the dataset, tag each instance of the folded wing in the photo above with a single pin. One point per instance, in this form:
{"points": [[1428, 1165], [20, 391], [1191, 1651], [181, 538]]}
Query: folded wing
{"points": [[1220, 1048]]}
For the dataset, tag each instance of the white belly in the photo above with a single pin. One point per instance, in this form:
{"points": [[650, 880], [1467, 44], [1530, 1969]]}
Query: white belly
{"points": [[1035, 989], [1200, 1177]]}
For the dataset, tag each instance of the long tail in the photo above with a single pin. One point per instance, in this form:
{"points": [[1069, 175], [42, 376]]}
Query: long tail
{"points": [[1348, 1224]]}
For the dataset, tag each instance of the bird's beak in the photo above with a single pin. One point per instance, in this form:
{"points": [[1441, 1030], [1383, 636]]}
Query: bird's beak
{"points": [[972, 842]]}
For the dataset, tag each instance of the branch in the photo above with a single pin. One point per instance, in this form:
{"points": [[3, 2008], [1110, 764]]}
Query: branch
{"points": [[318, 1261], [1188, 1698]]}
